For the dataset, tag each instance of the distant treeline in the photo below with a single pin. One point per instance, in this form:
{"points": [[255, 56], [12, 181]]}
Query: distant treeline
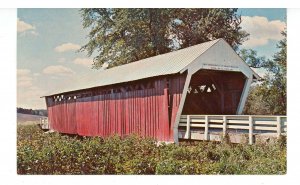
{"points": [[40, 112]]}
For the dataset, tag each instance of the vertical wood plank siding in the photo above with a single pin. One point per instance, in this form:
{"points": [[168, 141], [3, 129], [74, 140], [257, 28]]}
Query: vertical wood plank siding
{"points": [[148, 112]]}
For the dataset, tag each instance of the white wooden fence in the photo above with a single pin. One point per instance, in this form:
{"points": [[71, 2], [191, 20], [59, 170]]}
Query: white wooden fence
{"points": [[252, 125], [44, 123]]}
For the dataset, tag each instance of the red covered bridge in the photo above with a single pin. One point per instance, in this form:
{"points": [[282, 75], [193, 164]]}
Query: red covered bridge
{"points": [[148, 97]]}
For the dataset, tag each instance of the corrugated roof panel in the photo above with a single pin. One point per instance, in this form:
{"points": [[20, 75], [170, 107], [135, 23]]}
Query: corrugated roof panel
{"points": [[164, 64]]}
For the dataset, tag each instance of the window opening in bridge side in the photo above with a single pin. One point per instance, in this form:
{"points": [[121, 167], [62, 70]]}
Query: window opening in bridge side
{"points": [[202, 88]]}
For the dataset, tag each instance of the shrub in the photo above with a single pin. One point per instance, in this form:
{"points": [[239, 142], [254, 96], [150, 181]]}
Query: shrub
{"points": [[54, 153]]}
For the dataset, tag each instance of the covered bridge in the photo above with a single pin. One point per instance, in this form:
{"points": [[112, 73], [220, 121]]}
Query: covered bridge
{"points": [[148, 97]]}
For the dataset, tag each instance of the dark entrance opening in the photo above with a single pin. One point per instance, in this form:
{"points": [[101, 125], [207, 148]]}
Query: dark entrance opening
{"points": [[214, 92]]}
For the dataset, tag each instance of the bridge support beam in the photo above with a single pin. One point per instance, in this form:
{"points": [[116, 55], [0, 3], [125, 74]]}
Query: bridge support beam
{"points": [[244, 95], [181, 104]]}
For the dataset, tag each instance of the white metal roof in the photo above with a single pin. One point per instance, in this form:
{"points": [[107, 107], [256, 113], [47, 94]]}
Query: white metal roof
{"points": [[164, 64]]}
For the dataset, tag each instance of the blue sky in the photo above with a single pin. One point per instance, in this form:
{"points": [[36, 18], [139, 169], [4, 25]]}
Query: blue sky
{"points": [[273, 15], [47, 41]]}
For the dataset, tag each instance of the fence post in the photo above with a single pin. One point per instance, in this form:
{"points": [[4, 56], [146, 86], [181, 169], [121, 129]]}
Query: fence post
{"points": [[224, 125], [188, 127], [206, 128], [250, 130], [278, 127]]}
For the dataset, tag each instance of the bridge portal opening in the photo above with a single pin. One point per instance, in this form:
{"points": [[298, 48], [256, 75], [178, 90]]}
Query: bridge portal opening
{"points": [[214, 92]]}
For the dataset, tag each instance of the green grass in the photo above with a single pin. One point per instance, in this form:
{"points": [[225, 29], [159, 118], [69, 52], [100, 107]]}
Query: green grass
{"points": [[53, 153]]}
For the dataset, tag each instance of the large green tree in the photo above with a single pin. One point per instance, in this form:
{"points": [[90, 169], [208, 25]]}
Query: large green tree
{"points": [[120, 36], [270, 95]]}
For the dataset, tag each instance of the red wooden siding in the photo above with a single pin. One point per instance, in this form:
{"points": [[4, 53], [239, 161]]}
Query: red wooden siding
{"points": [[147, 108], [176, 88]]}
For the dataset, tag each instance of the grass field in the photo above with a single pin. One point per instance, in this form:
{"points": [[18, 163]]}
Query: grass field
{"points": [[27, 119], [53, 153]]}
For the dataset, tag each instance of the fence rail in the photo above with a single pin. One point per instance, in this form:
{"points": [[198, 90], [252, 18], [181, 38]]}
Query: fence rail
{"points": [[274, 126]]}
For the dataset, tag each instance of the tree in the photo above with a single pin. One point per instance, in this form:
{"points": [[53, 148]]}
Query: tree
{"points": [[251, 58], [269, 96], [275, 93], [120, 36], [194, 26]]}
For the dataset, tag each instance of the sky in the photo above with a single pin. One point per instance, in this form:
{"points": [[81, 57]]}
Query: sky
{"points": [[48, 41]]}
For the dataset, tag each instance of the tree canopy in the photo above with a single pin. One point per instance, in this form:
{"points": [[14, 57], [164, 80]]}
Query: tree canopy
{"points": [[120, 36], [269, 96]]}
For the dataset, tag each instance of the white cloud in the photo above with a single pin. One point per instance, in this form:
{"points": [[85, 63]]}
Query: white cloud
{"points": [[61, 60], [33, 33], [30, 97], [83, 61], [58, 70], [25, 81], [67, 47], [24, 28], [261, 30], [22, 72], [28, 93], [24, 78]]}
